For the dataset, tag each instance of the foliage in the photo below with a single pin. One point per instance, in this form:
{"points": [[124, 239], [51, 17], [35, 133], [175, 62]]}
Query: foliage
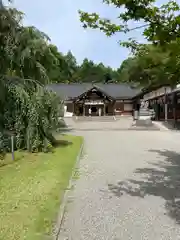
{"points": [[154, 63], [88, 71], [27, 109], [159, 24], [31, 113]]}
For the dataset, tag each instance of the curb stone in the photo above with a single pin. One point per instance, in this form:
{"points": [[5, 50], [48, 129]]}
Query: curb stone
{"points": [[62, 210]]}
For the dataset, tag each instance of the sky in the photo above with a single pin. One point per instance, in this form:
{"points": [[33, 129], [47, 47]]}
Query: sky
{"points": [[60, 21]]}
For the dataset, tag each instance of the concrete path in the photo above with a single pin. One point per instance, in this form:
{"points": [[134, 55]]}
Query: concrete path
{"points": [[129, 187]]}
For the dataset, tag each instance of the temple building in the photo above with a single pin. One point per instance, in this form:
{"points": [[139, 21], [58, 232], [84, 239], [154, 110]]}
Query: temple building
{"points": [[165, 100], [84, 99]]}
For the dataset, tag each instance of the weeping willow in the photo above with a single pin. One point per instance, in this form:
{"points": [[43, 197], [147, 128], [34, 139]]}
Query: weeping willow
{"points": [[30, 112], [27, 109]]}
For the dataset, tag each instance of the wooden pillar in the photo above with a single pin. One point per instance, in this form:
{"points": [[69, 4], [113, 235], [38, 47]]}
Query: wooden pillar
{"points": [[166, 111], [73, 108], [174, 108], [122, 108], [83, 109], [113, 108]]}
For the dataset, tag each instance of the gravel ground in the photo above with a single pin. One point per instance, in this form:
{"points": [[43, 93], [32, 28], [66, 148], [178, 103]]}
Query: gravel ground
{"points": [[129, 186]]}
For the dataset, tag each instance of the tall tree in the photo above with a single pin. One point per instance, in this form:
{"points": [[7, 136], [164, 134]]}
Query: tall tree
{"points": [[26, 107], [152, 65]]}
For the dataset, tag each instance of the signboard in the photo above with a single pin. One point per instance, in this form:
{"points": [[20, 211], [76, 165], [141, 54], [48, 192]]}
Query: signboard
{"points": [[97, 102], [127, 101], [123, 101]]}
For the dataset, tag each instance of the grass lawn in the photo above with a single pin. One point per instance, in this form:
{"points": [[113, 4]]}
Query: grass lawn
{"points": [[31, 190]]}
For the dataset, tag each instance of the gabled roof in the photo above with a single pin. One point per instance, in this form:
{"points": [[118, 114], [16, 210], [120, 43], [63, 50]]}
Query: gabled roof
{"points": [[98, 89], [117, 91], [122, 90]]}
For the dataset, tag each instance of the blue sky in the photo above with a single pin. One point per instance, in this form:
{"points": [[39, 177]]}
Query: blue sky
{"points": [[60, 20]]}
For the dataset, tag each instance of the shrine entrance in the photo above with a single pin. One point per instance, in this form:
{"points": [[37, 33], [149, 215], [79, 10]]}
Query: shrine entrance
{"points": [[94, 108], [93, 103]]}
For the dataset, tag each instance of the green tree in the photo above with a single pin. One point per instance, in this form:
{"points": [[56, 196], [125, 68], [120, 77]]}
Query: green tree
{"points": [[88, 71], [26, 107], [124, 71], [71, 64], [151, 64], [160, 24], [58, 69]]}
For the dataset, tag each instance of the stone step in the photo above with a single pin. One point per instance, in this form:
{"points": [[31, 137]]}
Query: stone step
{"points": [[145, 112], [143, 122], [95, 118]]}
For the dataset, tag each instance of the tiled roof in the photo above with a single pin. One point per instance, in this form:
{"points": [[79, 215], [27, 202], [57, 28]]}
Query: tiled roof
{"points": [[69, 91]]}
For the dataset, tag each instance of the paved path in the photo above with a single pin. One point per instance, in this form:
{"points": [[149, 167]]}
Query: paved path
{"points": [[129, 187]]}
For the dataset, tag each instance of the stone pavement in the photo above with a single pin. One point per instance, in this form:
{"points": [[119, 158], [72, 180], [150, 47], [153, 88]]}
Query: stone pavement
{"points": [[105, 124], [129, 187]]}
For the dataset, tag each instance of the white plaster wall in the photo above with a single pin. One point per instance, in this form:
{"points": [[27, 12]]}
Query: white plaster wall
{"points": [[128, 107]]}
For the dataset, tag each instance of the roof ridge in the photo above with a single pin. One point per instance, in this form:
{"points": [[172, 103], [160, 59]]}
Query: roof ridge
{"points": [[112, 89]]}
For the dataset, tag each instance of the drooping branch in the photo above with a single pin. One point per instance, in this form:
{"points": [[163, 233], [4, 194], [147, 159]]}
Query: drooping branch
{"points": [[160, 24]]}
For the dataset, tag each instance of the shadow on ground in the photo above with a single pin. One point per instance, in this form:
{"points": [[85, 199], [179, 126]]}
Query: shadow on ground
{"points": [[170, 124], [62, 143], [161, 179]]}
